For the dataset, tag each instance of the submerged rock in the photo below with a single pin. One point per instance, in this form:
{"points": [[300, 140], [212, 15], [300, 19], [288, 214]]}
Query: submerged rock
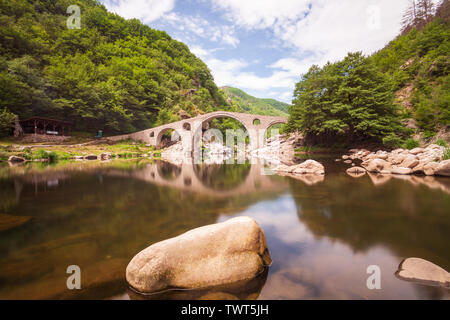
{"points": [[401, 170], [10, 221], [356, 172], [91, 157], [105, 156], [377, 166], [423, 271], [16, 159], [309, 167], [213, 255]]}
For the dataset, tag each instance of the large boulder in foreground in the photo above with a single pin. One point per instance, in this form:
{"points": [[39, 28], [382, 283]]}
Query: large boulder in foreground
{"points": [[213, 255], [424, 272]]}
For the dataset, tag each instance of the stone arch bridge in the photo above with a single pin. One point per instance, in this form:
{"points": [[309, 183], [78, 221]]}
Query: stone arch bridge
{"points": [[256, 126]]}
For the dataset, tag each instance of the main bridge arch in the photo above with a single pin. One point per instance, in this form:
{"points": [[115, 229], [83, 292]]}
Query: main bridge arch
{"points": [[256, 126]]}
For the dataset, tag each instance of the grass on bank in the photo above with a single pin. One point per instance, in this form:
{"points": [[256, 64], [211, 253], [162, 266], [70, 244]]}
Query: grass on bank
{"points": [[51, 153], [321, 149]]}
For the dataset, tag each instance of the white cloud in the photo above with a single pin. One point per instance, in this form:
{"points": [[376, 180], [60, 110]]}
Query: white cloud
{"points": [[316, 31], [327, 28], [200, 52], [202, 28], [331, 29], [144, 10], [261, 14], [231, 72]]}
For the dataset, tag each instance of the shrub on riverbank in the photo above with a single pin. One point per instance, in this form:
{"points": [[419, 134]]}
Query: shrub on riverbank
{"points": [[447, 154], [411, 144], [321, 148], [6, 122], [441, 142]]}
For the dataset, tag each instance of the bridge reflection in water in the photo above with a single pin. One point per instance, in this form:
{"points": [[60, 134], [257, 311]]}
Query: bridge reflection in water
{"points": [[211, 180]]}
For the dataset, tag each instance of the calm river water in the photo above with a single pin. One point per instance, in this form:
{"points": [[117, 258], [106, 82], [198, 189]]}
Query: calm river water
{"points": [[322, 234]]}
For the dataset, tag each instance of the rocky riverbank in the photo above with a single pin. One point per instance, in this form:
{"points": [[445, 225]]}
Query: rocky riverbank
{"points": [[94, 150], [280, 148], [428, 161]]}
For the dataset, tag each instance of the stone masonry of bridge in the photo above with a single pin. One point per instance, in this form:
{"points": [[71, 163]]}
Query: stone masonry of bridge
{"points": [[189, 128]]}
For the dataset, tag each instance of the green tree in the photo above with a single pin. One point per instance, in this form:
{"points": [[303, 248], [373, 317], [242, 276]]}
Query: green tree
{"points": [[6, 122], [347, 101]]}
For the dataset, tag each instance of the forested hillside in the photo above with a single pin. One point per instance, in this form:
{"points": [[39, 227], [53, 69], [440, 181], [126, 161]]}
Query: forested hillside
{"points": [[112, 74], [418, 64], [373, 98], [248, 103]]}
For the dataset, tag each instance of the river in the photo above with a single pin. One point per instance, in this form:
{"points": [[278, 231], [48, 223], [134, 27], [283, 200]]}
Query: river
{"points": [[322, 233]]}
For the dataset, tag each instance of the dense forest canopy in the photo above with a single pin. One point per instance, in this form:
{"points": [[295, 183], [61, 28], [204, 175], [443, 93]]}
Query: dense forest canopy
{"points": [[367, 98], [112, 74]]}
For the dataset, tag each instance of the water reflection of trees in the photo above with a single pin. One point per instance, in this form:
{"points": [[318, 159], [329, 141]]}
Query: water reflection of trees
{"points": [[223, 177], [410, 220], [7, 195], [168, 171], [96, 220]]}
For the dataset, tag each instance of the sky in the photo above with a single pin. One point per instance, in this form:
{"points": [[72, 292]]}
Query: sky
{"points": [[264, 46]]}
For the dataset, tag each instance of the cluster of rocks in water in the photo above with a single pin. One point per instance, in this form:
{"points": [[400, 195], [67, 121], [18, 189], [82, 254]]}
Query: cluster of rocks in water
{"points": [[427, 161], [307, 167], [279, 148]]}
